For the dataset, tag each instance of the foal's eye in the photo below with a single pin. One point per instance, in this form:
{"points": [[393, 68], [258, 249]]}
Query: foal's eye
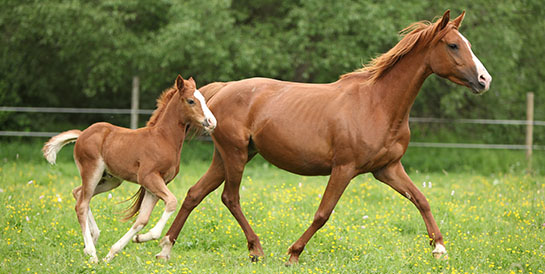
{"points": [[453, 46], [190, 101]]}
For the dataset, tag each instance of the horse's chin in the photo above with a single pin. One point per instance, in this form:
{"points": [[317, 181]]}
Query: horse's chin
{"points": [[478, 90]]}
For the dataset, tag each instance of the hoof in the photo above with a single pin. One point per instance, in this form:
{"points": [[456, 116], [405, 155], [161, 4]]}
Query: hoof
{"points": [[135, 239], [93, 260], [108, 258], [254, 258], [292, 261], [166, 246], [440, 256], [440, 252], [162, 257]]}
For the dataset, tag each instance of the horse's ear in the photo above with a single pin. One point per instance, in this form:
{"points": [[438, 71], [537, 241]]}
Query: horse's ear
{"points": [[458, 21], [180, 83], [444, 21]]}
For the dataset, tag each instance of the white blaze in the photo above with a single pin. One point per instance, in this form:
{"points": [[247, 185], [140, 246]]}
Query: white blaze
{"points": [[207, 113], [483, 74]]}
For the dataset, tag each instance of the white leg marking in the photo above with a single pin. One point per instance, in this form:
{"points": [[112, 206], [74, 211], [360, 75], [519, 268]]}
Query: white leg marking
{"points": [[89, 246], [145, 210], [439, 251], [86, 226], [95, 232], [166, 246], [122, 242], [155, 232]]}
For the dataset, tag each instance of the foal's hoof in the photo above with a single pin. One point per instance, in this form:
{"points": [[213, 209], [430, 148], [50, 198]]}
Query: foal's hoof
{"points": [[135, 239], [93, 260], [162, 257]]}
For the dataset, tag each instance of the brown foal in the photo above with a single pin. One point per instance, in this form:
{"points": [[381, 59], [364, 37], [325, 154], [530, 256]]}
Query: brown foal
{"points": [[355, 125], [106, 155]]}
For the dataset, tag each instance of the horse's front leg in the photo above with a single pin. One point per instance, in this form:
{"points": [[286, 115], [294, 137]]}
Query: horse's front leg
{"points": [[211, 180], [395, 176], [338, 181]]}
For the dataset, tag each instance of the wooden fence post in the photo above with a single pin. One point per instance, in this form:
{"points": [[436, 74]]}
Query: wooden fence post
{"points": [[529, 128], [134, 101]]}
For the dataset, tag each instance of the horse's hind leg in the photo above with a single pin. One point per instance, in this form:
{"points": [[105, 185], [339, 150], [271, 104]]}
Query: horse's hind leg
{"points": [[396, 177], [211, 180], [90, 177], [148, 203]]}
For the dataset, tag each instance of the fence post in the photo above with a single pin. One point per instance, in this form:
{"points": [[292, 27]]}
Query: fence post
{"points": [[529, 128], [134, 101]]}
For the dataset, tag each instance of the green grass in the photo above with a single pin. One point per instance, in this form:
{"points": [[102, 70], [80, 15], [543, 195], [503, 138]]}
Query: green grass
{"points": [[492, 222]]}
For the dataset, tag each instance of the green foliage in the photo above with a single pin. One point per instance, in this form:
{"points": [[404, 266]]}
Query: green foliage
{"points": [[84, 53]]}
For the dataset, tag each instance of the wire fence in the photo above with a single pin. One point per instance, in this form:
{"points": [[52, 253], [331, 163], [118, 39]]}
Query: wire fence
{"points": [[412, 120]]}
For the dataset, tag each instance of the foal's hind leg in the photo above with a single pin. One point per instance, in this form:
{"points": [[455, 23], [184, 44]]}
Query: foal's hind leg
{"points": [[90, 177], [211, 180], [396, 177], [107, 183]]}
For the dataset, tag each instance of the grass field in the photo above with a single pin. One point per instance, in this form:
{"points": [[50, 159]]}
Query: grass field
{"points": [[491, 223]]}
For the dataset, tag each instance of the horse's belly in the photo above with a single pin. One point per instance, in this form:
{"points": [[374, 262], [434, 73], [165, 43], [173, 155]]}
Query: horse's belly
{"points": [[307, 156]]}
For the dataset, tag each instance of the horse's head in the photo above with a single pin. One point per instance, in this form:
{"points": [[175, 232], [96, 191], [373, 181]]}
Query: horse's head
{"points": [[193, 105], [451, 56]]}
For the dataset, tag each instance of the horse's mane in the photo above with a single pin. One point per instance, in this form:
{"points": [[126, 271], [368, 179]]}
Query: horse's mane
{"points": [[424, 32], [162, 102]]}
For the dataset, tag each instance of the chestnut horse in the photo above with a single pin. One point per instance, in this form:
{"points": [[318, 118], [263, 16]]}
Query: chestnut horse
{"points": [[355, 125], [106, 155]]}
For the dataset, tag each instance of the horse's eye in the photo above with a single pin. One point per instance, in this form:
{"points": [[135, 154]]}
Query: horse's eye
{"points": [[453, 46], [190, 101]]}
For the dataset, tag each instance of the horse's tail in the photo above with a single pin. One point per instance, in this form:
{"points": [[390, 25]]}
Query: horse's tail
{"points": [[54, 145], [211, 89], [133, 210]]}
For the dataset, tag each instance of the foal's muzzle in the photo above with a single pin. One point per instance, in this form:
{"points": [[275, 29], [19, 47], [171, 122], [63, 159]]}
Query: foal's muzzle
{"points": [[209, 124]]}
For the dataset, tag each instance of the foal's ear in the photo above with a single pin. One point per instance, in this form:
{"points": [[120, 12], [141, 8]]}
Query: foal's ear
{"points": [[458, 21], [192, 81], [444, 21], [180, 83]]}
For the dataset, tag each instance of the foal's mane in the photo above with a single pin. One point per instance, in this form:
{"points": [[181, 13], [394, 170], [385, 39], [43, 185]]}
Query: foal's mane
{"points": [[162, 102], [423, 32]]}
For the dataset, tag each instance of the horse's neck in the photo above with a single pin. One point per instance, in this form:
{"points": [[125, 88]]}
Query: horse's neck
{"points": [[398, 88], [171, 124]]}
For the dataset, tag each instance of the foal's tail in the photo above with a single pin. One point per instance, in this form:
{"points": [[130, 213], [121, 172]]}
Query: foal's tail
{"points": [[133, 210], [54, 145], [211, 89]]}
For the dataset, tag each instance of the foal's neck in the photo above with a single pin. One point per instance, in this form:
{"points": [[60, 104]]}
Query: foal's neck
{"points": [[171, 123]]}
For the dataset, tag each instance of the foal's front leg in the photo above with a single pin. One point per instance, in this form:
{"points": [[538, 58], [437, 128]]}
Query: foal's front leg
{"points": [[148, 203]]}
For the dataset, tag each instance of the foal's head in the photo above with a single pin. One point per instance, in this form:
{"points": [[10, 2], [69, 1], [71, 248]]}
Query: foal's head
{"points": [[450, 56], [193, 105]]}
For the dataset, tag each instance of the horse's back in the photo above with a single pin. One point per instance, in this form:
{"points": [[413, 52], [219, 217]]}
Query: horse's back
{"points": [[290, 124]]}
